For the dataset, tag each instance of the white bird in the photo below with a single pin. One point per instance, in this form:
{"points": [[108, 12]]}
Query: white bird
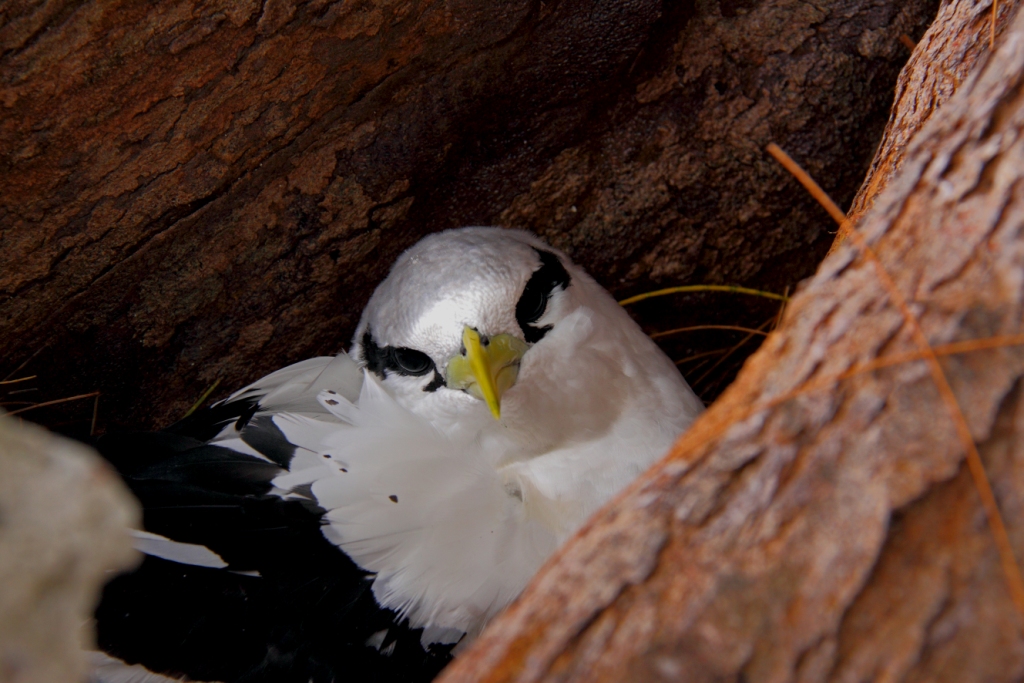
{"points": [[494, 397]]}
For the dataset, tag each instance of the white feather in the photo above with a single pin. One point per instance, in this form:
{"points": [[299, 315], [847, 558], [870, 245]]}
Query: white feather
{"points": [[239, 446], [294, 388], [175, 551], [107, 669], [427, 512]]}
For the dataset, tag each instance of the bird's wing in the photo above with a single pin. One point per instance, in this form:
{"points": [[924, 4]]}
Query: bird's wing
{"points": [[293, 389], [428, 512], [239, 582]]}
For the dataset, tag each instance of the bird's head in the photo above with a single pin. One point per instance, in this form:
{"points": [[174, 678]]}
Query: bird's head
{"points": [[460, 312], [492, 329]]}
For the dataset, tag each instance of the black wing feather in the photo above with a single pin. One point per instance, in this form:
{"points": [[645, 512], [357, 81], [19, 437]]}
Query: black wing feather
{"points": [[308, 614], [266, 437]]}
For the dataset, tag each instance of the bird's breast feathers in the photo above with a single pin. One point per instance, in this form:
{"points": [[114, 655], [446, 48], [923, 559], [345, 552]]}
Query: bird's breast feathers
{"points": [[453, 523]]}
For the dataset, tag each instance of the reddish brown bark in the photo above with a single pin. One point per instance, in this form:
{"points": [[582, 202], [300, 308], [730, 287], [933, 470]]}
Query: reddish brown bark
{"points": [[810, 529], [947, 54], [202, 191]]}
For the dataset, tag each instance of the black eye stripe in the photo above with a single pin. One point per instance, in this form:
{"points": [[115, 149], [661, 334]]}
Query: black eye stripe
{"points": [[401, 360], [374, 356], [534, 299], [435, 383]]}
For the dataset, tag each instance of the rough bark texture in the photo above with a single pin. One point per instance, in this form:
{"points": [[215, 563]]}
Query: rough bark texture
{"points": [[836, 535], [200, 191], [946, 55], [64, 519]]}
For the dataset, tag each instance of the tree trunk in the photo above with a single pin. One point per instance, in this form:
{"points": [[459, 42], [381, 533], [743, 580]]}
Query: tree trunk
{"points": [[205, 191], [946, 55], [813, 528]]}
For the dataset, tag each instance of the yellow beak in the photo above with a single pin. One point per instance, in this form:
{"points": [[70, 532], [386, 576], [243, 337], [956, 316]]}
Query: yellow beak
{"points": [[487, 368]]}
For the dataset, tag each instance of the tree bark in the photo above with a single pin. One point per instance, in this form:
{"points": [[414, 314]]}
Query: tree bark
{"points": [[205, 191], [946, 55], [809, 528]]}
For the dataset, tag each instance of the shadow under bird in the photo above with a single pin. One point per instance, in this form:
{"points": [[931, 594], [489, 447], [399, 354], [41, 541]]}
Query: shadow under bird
{"points": [[360, 517]]}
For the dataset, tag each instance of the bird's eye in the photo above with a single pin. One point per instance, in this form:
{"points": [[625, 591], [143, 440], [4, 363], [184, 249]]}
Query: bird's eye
{"points": [[534, 300], [411, 362], [531, 305]]}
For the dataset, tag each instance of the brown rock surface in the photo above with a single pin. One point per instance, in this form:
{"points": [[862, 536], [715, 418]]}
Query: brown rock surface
{"points": [[201, 191]]}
